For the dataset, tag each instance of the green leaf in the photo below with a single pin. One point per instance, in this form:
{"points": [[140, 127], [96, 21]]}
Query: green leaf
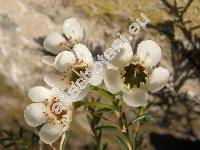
{"points": [[121, 102], [34, 139], [8, 132], [5, 139], [134, 145], [121, 141], [21, 131], [106, 127], [101, 111], [9, 145], [66, 141], [103, 92], [134, 115], [122, 120], [90, 119], [138, 119], [87, 103], [104, 146]]}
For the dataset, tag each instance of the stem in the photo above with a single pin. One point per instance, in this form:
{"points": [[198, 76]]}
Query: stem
{"points": [[86, 103], [62, 141], [110, 121], [137, 128], [40, 145], [51, 145], [124, 130]]}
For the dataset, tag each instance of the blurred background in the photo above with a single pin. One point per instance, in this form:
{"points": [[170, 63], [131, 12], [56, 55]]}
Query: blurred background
{"points": [[174, 111]]}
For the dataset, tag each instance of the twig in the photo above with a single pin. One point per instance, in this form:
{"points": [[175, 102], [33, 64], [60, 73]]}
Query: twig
{"points": [[124, 130], [138, 123], [109, 121], [51, 145], [40, 145], [62, 141]]}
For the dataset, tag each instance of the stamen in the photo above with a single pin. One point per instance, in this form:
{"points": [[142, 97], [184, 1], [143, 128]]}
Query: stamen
{"points": [[134, 75]]}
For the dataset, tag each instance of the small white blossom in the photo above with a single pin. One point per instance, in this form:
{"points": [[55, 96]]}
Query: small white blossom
{"points": [[55, 42], [69, 64], [135, 74], [71, 58], [47, 109], [73, 32]]}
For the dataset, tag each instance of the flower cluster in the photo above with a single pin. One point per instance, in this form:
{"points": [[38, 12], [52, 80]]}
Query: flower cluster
{"points": [[132, 75]]}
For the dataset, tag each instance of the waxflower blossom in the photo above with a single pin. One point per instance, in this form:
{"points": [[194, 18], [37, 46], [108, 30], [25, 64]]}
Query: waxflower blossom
{"points": [[69, 64], [136, 75], [71, 58], [73, 33], [47, 109], [55, 42]]}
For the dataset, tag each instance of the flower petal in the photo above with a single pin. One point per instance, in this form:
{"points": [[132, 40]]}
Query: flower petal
{"points": [[53, 41], [97, 73], [34, 114], [49, 60], [97, 78], [72, 29], [39, 93], [70, 97], [149, 52], [50, 132], [83, 53], [135, 97], [158, 79], [64, 60], [126, 54], [59, 81], [82, 95], [113, 81]]}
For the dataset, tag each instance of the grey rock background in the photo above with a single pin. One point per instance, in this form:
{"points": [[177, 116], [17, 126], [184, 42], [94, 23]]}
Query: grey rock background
{"points": [[25, 23]]}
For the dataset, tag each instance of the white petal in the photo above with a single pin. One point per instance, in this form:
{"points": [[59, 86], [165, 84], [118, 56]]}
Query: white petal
{"points": [[34, 114], [59, 81], [57, 92], [113, 81], [53, 41], [158, 79], [64, 60], [73, 97], [149, 52], [39, 93], [72, 29], [126, 54], [97, 77], [83, 53], [50, 132], [135, 98], [49, 60], [82, 95]]}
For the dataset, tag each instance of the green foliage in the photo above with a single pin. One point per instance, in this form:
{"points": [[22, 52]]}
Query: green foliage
{"points": [[22, 139], [122, 141]]}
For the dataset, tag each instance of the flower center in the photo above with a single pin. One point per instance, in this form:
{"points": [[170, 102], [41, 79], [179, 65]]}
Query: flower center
{"points": [[57, 109], [76, 71], [134, 75]]}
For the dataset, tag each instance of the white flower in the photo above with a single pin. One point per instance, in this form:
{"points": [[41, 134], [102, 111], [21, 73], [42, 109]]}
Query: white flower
{"points": [[71, 58], [56, 43], [69, 65], [137, 76], [48, 109], [73, 30]]}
